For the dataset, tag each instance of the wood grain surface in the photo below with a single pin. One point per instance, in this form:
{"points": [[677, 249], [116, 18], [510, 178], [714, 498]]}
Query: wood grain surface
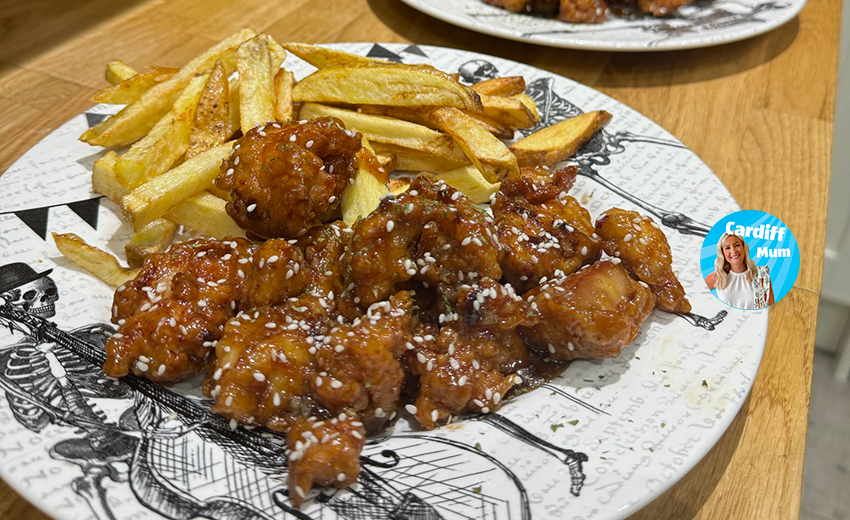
{"points": [[758, 112]]}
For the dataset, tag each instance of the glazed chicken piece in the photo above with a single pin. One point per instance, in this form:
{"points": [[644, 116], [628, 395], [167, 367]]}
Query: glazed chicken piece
{"points": [[550, 237], [471, 364], [358, 366], [641, 245], [582, 11], [539, 184], [661, 7], [515, 6], [265, 362], [175, 309], [323, 249], [593, 313], [430, 233], [282, 176], [325, 452]]}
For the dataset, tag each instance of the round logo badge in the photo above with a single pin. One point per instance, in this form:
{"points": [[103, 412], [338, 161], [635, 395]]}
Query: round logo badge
{"points": [[750, 259]]}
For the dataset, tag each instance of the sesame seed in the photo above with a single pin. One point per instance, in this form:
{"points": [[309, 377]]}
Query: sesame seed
{"points": [[627, 237], [411, 409], [336, 383], [272, 259], [390, 226], [318, 381], [160, 370], [434, 415], [251, 207], [462, 381]]}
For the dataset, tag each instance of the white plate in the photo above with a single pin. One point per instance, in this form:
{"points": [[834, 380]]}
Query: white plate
{"points": [[702, 24], [641, 420]]}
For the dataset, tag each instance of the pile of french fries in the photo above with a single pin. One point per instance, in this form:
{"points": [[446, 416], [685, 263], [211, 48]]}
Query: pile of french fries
{"points": [[178, 126]]}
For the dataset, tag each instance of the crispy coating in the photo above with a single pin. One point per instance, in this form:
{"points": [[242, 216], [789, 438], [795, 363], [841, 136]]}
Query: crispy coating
{"points": [[515, 6], [324, 452], [431, 233], [281, 176], [359, 369], [324, 248], [593, 313], [641, 245], [582, 11], [265, 361], [539, 184], [551, 238], [471, 364], [176, 307]]}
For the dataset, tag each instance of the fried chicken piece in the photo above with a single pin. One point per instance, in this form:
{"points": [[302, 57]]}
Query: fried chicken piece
{"points": [[642, 246], [358, 364], [324, 248], [582, 11], [265, 362], [550, 238], [324, 452], [281, 176], [515, 6], [539, 184], [175, 309], [472, 363], [661, 7], [593, 313], [430, 233]]}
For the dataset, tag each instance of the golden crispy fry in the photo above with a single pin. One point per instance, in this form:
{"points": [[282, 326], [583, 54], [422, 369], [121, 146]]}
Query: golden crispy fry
{"points": [[392, 84], [205, 213], [399, 185], [167, 141], [321, 57], [256, 83], [234, 115], [498, 129], [407, 159], [277, 53], [153, 238], [553, 144], [508, 86], [370, 184], [388, 130], [137, 119], [284, 81], [103, 179], [155, 198], [529, 104], [509, 111], [469, 180], [211, 117], [98, 262], [118, 71], [488, 154], [387, 162], [132, 88]]}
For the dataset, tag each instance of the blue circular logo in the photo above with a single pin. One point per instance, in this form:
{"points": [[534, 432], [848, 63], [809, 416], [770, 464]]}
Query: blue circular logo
{"points": [[750, 259]]}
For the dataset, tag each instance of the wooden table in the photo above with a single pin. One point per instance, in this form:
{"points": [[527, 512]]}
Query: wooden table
{"points": [[758, 112]]}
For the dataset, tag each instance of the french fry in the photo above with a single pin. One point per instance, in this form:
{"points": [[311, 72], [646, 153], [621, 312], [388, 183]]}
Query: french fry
{"points": [[155, 198], [560, 141], [370, 184], [529, 104], [206, 214], [166, 142], [391, 84], [284, 81], [388, 130], [153, 238], [487, 153], [469, 180], [399, 185], [321, 57], [98, 262], [507, 86], [233, 117], [136, 119], [276, 52], [203, 212], [103, 179], [118, 71], [256, 83], [209, 127], [407, 159], [508, 111], [132, 88], [497, 128]]}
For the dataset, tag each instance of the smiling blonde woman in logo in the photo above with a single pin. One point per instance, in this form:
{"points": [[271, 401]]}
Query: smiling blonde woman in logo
{"points": [[738, 280]]}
